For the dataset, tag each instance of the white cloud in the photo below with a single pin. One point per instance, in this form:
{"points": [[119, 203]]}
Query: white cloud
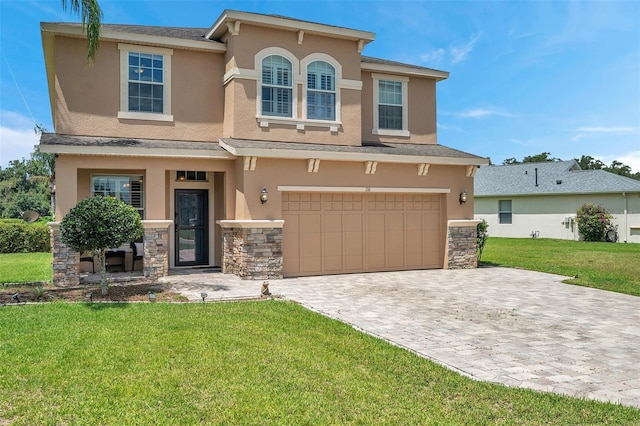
{"points": [[460, 53], [631, 159], [482, 112], [434, 57], [17, 137], [582, 132]]}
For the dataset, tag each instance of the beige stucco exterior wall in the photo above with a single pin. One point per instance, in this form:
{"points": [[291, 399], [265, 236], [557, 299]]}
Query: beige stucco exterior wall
{"points": [[546, 214], [421, 111], [87, 98], [242, 93], [271, 173]]}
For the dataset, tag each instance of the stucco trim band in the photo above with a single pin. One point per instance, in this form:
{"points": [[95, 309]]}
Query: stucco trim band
{"points": [[365, 189], [457, 223], [147, 224], [250, 224]]}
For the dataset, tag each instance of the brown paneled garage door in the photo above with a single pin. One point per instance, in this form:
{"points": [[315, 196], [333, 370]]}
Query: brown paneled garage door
{"points": [[331, 233]]}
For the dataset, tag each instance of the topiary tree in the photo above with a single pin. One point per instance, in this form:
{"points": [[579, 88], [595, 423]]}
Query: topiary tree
{"points": [[593, 222], [482, 236], [98, 223]]}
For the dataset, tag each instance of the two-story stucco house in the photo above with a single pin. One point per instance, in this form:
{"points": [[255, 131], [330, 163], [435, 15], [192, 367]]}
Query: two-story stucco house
{"points": [[265, 145]]}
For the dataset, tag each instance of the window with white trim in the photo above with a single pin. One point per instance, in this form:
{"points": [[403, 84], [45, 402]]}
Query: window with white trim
{"points": [[505, 212], [128, 189], [145, 83], [277, 86], [321, 91], [390, 105]]}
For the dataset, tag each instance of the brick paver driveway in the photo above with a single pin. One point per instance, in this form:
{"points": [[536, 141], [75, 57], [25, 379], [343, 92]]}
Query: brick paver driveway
{"points": [[519, 328]]}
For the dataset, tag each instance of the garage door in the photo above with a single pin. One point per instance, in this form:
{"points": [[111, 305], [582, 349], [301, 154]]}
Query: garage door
{"points": [[332, 233]]}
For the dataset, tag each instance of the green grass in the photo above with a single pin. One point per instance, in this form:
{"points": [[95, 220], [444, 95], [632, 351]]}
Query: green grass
{"points": [[243, 363], [25, 267], [607, 266]]}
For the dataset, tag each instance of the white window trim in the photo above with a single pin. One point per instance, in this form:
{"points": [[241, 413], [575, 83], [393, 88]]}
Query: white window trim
{"points": [[500, 212], [124, 112], [338, 83], [295, 71], [405, 106]]}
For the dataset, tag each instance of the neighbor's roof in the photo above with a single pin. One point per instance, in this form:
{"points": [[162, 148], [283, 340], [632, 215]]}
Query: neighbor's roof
{"points": [[554, 177], [383, 152]]}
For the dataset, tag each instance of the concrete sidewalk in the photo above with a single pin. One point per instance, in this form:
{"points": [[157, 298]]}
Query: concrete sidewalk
{"points": [[519, 328]]}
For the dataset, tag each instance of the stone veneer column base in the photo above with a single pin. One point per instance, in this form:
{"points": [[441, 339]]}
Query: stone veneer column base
{"points": [[66, 261], [461, 244], [252, 249], [156, 248]]}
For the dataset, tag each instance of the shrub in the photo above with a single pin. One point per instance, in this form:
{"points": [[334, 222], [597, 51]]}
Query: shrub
{"points": [[17, 236], [482, 236], [98, 223], [593, 222]]}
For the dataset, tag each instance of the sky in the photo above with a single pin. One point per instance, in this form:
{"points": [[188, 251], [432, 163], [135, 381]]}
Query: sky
{"points": [[525, 77]]}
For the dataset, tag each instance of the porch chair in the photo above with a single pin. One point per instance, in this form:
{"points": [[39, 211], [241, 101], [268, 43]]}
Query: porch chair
{"points": [[138, 252], [86, 257]]}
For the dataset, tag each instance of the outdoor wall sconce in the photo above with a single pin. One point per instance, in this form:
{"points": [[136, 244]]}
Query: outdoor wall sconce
{"points": [[463, 197], [264, 195]]}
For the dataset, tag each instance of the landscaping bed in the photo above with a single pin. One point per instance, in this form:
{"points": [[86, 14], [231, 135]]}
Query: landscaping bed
{"points": [[131, 292]]}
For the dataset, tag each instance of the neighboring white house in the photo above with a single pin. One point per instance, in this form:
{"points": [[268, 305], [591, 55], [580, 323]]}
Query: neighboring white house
{"points": [[541, 199]]}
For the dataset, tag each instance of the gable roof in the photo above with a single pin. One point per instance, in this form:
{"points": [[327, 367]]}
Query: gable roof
{"points": [[554, 177], [384, 65]]}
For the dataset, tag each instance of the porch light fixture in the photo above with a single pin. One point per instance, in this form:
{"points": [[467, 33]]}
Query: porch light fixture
{"points": [[203, 295], [463, 197], [264, 195]]}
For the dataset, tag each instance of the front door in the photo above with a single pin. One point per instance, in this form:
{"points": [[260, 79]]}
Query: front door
{"points": [[192, 227]]}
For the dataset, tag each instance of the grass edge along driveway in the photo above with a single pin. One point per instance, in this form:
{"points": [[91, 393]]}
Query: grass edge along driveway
{"points": [[270, 362], [606, 266]]}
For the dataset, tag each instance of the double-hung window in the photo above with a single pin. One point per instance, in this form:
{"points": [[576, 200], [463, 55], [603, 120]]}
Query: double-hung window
{"points": [[128, 189], [277, 86], [145, 83], [321, 91], [505, 212], [390, 105]]}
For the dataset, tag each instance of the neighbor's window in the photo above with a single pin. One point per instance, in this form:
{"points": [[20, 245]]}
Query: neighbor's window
{"points": [[390, 109], [321, 91], [145, 77], [129, 189], [277, 86], [504, 211]]}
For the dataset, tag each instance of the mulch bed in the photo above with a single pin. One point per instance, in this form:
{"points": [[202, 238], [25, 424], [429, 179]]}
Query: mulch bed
{"points": [[134, 292]]}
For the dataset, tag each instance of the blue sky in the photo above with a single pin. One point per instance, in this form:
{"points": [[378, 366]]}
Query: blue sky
{"points": [[526, 77]]}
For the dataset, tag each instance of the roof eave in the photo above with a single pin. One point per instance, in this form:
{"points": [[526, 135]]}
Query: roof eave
{"points": [[397, 69], [219, 28], [351, 156], [106, 34], [136, 152]]}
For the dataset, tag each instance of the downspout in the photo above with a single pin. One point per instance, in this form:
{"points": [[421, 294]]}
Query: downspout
{"points": [[626, 213]]}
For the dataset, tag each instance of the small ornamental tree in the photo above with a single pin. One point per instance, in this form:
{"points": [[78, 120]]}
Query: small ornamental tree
{"points": [[482, 236], [98, 223], [593, 222]]}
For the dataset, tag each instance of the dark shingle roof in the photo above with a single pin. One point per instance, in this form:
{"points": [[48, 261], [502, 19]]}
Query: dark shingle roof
{"points": [[556, 177], [397, 149]]}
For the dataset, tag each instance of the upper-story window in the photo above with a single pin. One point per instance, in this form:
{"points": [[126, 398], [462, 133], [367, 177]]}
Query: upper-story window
{"points": [[390, 105], [277, 86], [321, 91], [145, 83]]}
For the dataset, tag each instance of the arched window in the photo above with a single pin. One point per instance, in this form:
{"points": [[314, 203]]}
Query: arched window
{"points": [[277, 86], [321, 91]]}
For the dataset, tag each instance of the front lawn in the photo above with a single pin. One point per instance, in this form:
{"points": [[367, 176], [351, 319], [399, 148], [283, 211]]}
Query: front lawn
{"points": [[606, 266], [25, 267], [243, 363]]}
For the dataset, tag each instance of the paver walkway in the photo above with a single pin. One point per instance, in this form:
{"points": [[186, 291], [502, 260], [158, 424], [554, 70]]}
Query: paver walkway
{"points": [[519, 328]]}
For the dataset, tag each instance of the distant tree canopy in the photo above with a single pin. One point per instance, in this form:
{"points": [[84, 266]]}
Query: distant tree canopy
{"points": [[586, 162]]}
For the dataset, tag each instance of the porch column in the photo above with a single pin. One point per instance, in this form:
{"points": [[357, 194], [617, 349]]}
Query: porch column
{"points": [[156, 248], [252, 249], [461, 244], [66, 261]]}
